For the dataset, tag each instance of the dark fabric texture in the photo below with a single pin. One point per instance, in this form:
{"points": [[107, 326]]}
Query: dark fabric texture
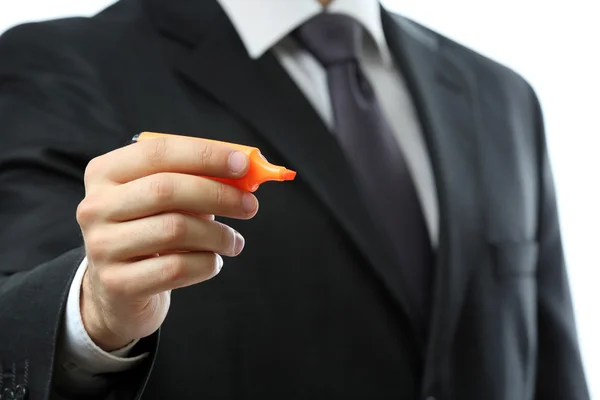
{"points": [[374, 155], [314, 308]]}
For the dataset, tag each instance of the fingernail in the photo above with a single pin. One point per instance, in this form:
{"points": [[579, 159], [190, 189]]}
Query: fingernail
{"points": [[239, 243], [249, 203], [237, 162]]}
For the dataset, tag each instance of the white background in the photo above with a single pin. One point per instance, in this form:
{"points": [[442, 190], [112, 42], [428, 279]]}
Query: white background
{"points": [[555, 45]]}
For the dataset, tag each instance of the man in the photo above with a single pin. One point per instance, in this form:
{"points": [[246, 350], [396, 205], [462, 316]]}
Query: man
{"points": [[417, 254]]}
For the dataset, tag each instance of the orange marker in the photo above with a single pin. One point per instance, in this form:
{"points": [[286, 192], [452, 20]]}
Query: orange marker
{"points": [[260, 169]]}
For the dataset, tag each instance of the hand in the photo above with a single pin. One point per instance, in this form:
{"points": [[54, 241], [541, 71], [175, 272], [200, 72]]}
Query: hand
{"points": [[148, 224]]}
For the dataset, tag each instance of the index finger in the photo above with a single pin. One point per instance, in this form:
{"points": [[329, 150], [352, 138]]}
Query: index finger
{"points": [[178, 154]]}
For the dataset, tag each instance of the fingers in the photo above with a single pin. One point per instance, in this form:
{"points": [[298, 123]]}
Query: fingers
{"points": [[158, 274], [168, 154], [164, 233], [169, 192]]}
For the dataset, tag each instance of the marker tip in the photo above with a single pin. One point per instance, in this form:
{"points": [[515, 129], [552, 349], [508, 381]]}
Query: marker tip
{"points": [[288, 175]]}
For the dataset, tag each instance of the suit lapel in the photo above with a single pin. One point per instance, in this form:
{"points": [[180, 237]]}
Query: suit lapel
{"points": [[444, 95]]}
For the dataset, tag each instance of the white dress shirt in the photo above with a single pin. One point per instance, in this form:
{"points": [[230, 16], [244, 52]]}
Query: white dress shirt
{"points": [[264, 25]]}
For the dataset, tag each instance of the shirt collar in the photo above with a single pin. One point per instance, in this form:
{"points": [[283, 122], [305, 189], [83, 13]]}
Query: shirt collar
{"points": [[261, 24]]}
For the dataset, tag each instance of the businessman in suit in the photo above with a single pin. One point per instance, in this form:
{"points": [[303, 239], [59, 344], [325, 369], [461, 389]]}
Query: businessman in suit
{"points": [[416, 256]]}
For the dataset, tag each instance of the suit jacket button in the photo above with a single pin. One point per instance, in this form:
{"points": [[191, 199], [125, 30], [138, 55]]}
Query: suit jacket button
{"points": [[8, 394], [21, 392]]}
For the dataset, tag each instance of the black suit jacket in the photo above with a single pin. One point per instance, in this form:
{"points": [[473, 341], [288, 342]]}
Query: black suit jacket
{"points": [[313, 308]]}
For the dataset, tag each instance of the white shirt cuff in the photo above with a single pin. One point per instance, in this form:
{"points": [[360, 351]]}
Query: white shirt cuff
{"points": [[80, 359]]}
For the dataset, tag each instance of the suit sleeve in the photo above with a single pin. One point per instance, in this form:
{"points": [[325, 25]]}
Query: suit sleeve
{"points": [[560, 373], [54, 118]]}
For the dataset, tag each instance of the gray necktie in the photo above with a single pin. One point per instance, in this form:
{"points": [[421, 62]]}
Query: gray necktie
{"points": [[368, 142]]}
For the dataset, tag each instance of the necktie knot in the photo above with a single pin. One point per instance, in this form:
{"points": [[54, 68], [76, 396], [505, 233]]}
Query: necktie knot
{"points": [[331, 38]]}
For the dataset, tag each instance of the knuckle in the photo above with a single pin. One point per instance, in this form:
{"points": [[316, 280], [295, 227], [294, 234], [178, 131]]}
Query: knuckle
{"points": [[205, 154], [111, 283], [157, 150], [174, 268], [86, 211], [162, 187], [221, 193], [92, 170], [96, 246], [174, 228], [225, 238]]}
